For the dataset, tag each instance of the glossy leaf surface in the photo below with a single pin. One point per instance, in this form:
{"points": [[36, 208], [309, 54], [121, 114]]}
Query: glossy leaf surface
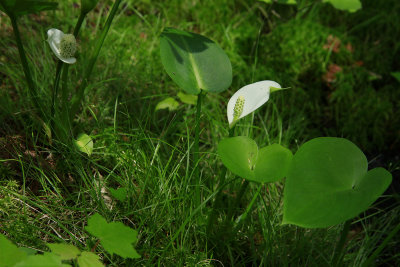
{"points": [[328, 183], [194, 62], [242, 157]]}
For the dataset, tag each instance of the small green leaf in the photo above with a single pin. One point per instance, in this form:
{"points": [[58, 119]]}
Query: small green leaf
{"points": [[287, 2], [194, 62], [187, 99], [17, 8], [115, 237], [88, 5], [65, 251], [348, 5], [241, 156], [84, 143], [9, 253], [328, 183], [45, 260], [119, 193], [89, 259], [396, 75], [169, 103]]}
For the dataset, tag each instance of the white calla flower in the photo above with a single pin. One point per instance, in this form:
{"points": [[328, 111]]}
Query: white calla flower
{"points": [[249, 98], [63, 45]]}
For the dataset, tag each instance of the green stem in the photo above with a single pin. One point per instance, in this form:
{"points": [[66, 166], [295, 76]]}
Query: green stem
{"points": [[25, 66], [376, 253], [77, 99], [64, 79], [196, 170], [55, 88], [237, 202], [340, 245], [243, 217], [218, 198]]}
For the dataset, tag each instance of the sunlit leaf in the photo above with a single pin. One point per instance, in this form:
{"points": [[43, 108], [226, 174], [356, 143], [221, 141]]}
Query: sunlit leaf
{"points": [[119, 193], [65, 251], [241, 156], [194, 62], [89, 259], [115, 237], [328, 183], [45, 260], [187, 99], [9, 253], [348, 5], [169, 103], [84, 143]]}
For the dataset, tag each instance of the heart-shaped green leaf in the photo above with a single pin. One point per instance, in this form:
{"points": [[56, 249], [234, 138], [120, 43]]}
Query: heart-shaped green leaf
{"points": [[328, 183], [242, 157], [194, 62], [15, 8]]}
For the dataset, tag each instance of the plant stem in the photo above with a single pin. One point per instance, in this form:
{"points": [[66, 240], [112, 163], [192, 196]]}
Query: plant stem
{"points": [[196, 170], [340, 245], [243, 217], [25, 66], [237, 202], [77, 99], [218, 198], [376, 253], [64, 79]]}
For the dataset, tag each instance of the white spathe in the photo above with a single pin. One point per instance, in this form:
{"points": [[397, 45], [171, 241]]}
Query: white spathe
{"points": [[255, 95], [54, 40]]}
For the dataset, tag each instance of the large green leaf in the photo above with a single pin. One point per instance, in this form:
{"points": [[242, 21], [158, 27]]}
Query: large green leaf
{"points": [[45, 260], [241, 156], [64, 251], [194, 62], [89, 259], [115, 237], [348, 5], [22, 7], [9, 253], [328, 183]]}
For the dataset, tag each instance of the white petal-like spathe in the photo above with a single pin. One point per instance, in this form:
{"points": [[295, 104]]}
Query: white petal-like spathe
{"points": [[255, 95], [54, 40]]}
